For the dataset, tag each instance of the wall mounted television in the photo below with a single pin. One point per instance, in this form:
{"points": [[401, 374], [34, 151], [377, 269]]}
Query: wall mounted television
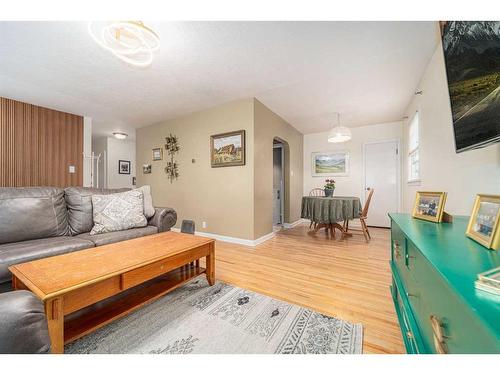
{"points": [[472, 58]]}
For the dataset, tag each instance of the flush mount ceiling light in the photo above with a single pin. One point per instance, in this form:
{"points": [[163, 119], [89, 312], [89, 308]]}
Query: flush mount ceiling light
{"points": [[130, 41], [120, 135], [339, 134]]}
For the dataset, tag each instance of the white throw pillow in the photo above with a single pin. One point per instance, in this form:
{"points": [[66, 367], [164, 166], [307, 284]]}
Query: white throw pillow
{"points": [[113, 212], [149, 210]]}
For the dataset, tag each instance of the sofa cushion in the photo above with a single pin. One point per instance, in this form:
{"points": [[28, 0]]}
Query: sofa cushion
{"points": [[32, 212], [112, 237], [79, 202], [20, 252], [23, 327], [118, 211]]}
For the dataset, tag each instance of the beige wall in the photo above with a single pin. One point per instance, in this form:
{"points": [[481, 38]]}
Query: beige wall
{"points": [[441, 168], [352, 184], [222, 197], [269, 125]]}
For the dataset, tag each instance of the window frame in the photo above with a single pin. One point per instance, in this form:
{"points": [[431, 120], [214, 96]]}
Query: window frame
{"points": [[413, 151]]}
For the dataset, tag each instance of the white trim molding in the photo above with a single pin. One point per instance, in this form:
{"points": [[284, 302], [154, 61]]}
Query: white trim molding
{"points": [[236, 240], [295, 223]]}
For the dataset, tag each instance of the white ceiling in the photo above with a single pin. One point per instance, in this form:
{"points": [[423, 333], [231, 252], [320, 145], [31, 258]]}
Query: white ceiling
{"points": [[304, 71]]}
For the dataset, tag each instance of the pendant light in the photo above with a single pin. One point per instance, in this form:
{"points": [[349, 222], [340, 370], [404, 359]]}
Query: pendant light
{"points": [[339, 134]]}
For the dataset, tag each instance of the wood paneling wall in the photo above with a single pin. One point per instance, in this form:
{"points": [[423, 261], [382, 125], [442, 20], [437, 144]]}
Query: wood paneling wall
{"points": [[37, 146]]}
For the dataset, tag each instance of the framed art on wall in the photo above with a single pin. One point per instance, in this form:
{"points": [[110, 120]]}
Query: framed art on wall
{"points": [[333, 163], [429, 205], [227, 149], [157, 154], [146, 168], [123, 167], [484, 223]]}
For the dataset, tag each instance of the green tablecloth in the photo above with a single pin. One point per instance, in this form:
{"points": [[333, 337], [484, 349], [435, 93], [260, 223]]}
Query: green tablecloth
{"points": [[325, 210]]}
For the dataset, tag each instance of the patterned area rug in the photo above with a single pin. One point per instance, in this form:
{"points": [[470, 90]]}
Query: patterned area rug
{"points": [[198, 318]]}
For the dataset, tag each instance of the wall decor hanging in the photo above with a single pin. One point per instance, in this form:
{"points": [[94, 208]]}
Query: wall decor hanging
{"points": [[172, 147], [123, 166], [330, 163], [157, 154], [227, 149], [146, 168]]}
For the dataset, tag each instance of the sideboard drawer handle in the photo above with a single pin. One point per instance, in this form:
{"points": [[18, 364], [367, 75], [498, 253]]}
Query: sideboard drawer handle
{"points": [[439, 336]]}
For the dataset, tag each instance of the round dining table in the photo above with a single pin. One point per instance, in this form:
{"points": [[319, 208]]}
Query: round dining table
{"points": [[328, 212]]}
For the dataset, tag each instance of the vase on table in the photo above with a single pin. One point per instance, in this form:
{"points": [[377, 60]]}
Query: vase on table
{"points": [[329, 192]]}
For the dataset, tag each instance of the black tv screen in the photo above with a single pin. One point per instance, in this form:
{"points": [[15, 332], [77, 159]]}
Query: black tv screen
{"points": [[472, 57]]}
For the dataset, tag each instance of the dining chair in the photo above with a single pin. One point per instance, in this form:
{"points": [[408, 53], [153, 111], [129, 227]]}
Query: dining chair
{"points": [[316, 192], [362, 217]]}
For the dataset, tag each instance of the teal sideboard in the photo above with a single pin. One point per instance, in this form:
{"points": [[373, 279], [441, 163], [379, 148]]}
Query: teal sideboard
{"points": [[434, 266]]}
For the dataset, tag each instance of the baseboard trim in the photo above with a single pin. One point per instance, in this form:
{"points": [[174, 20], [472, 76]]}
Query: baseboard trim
{"points": [[236, 240], [294, 224]]}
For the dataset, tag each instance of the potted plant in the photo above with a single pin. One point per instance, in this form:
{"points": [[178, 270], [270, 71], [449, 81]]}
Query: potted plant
{"points": [[329, 188]]}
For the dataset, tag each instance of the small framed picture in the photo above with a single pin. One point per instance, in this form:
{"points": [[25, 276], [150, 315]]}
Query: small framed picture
{"points": [[123, 167], [146, 168], [484, 221], [134, 181], [157, 154], [429, 205]]}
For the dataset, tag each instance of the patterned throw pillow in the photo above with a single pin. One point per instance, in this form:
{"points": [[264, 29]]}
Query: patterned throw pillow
{"points": [[119, 211], [149, 210]]}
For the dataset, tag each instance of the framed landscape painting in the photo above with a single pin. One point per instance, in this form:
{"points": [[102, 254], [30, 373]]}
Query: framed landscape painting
{"points": [[227, 149], [334, 163]]}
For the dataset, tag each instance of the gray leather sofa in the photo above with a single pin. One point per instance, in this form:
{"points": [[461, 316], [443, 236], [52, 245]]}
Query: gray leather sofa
{"points": [[39, 222]]}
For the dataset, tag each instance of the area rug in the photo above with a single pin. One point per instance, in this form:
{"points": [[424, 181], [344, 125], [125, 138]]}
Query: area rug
{"points": [[198, 318]]}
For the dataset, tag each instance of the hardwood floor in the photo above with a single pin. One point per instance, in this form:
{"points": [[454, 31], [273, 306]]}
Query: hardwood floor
{"points": [[346, 278]]}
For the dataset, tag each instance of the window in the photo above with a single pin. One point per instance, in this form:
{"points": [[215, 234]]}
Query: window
{"points": [[413, 150]]}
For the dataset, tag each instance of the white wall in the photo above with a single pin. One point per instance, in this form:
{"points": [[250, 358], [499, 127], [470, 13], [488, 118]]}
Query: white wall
{"points": [[87, 150], [120, 150], [100, 147], [114, 150], [353, 184], [441, 169]]}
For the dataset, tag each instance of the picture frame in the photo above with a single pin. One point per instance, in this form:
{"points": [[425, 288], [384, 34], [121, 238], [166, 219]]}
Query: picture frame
{"points": [[429, 205], [146, 168], [227, 149], [157, 153], [123, 166], [330, 163], [484, 222]]}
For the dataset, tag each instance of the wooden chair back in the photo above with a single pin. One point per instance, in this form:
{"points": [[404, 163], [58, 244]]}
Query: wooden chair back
{"points": [[317, 192], [364, 213]]}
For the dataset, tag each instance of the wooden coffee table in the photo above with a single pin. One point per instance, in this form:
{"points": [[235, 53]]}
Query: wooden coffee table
{"points": [[88, 289]]}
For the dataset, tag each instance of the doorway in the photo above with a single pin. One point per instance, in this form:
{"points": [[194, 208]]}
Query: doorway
{"points": [[278, 183], [382, 173]]}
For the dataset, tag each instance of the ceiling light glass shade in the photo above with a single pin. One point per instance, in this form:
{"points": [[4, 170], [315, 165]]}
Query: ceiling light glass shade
{"points": [[130, 41], [339, 134], [119, 135]]}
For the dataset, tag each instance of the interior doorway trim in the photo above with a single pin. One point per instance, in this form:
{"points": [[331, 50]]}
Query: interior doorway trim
{"points": [[398, 169], [282, 182]]}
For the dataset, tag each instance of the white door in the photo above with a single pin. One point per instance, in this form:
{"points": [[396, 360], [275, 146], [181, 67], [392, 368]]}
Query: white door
{"points": [[382, 175]]}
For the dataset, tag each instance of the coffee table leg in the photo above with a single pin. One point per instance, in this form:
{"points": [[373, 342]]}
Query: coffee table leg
{"points": [[210, 263], [55, 320]]}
